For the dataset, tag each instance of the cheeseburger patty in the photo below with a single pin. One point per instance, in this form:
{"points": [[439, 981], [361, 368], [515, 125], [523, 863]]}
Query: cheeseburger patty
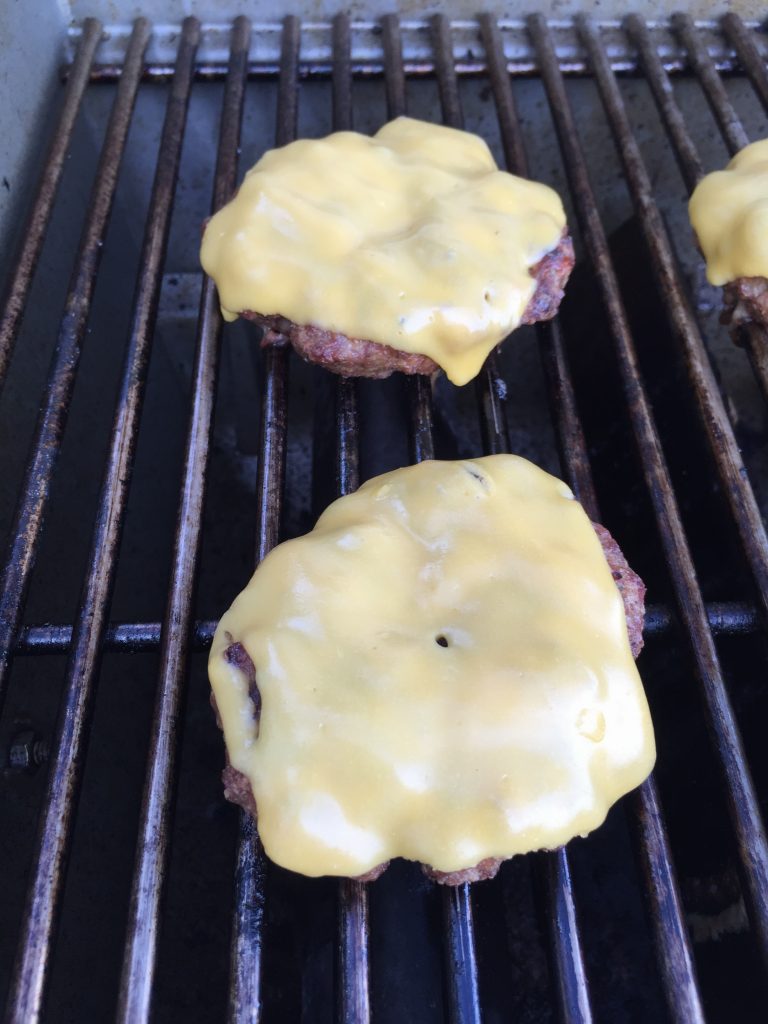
{"points": [[356, 357], [237, 788], [745, 301]]}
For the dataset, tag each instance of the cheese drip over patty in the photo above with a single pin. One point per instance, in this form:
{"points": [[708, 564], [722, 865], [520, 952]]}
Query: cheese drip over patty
{"points": [[445, 675], [411, 238], [729, 213]]}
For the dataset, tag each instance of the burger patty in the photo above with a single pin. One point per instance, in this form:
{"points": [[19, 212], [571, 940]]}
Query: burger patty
{"points": [[630, 586], [238, 790], [745, 301], [356, 357]]}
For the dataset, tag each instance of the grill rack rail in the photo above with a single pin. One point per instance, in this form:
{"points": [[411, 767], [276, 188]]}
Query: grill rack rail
{"points": [[92, 634]]}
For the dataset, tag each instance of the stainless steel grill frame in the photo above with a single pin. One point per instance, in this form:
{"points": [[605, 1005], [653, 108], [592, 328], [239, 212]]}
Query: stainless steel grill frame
{"points": [[92, 634]]}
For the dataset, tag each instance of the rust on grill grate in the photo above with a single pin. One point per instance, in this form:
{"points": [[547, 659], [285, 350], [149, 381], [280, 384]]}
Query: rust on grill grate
{"points": [[348, 947]]}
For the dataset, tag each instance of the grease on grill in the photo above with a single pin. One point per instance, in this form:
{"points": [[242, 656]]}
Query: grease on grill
{"points": [[445, 675]]}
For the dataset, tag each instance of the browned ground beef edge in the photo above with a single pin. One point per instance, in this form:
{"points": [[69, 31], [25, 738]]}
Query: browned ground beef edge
{"points": [[357, 357]]}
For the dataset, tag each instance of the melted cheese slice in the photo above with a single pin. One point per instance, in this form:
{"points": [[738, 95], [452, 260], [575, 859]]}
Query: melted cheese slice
{"points": [[377, 741], [412, 238], [729, 213]]}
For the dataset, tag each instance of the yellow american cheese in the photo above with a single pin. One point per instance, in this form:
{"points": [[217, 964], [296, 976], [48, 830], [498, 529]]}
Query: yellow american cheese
{"points": [[376, 740], [411, 238], [729, 213]]}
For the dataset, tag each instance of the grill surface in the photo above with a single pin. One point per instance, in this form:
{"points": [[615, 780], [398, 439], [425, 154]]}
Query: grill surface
{"points": [[657, 440]]}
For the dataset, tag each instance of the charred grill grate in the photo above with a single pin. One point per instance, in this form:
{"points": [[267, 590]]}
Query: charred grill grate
{"points": [[92, 635]]}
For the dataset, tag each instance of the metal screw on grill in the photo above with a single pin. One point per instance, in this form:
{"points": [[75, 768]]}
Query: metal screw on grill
{"points": [[27, 752]]}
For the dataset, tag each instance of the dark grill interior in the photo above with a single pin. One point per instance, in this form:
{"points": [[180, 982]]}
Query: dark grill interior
{"points": [[140, 890]]}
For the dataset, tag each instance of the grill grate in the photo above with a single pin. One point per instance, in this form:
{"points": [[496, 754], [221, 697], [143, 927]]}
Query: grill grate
{"points": [[92, 635]]}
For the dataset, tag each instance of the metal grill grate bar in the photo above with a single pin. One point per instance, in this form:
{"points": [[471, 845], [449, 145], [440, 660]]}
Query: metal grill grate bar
{"points": [[722, 443], [419, 387], [459, 946], [459, 955], [664, 95], [250, 873], [250, 876], [674, 950], [369, 60], [726, 117], [745, 812], [753, 338], [735, 137], [420, 398], [459, 949], [676, 957], [353, 995], [35, 490], [179, 634], [150, 869], [347, 428], [748, 54], [34, 953], [91, 621], [657, 478], [731, 618], [565, 940], [672, 940], [33, 235], [673, 943]]}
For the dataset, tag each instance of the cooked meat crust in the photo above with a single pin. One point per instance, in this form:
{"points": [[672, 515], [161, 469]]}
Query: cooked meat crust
{"points": [[356, 357], [551, 273], [631, 588], [238, 790], [349, 357], [745, 301]]}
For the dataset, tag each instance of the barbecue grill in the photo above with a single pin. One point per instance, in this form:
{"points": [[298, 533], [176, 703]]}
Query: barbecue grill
{"points": [[129, 887]]}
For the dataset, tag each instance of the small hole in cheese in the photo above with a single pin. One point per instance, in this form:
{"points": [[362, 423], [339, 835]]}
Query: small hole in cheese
{"points": [[442, 641]]}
